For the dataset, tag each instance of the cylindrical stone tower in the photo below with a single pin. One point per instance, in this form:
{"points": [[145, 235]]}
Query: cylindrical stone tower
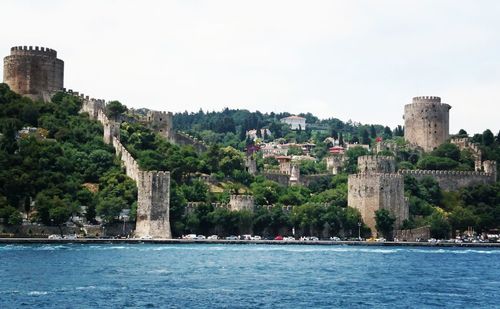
{"points": [[427, 122], [33, 72]]}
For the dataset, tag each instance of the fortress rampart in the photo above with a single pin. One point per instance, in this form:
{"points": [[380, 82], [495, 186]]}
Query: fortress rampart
{"points": [[153, 194], [454, 180], [241, 202], [34, 72], [426, 122]]}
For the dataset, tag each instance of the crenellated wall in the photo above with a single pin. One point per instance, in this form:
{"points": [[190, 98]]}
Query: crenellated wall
{"points": [[241, 202], [376, 164], [454, 180], [464, 143], [184, 139], [153, 194]]}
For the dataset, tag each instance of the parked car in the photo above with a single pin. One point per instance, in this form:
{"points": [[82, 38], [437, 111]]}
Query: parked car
{"points": [[55, 236], [213, 237], [380, 239], [70, 237], [147, 237], [279, 237], [190, 236], [201, 237], [246, 237], [334, 238], [232, 237], [313, 238], [256, 237], [289, 238]]}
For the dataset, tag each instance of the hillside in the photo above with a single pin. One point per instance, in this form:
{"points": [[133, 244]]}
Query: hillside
{"points": [[54, 166]]}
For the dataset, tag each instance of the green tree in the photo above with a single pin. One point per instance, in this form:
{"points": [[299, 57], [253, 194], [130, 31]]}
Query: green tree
{"points": [[114, 109], [384, 222], [488, 138]]}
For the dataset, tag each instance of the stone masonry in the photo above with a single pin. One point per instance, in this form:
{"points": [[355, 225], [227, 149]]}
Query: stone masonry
{"points": [[375, 187], [426, 122], [34, 72], [153, 195]]}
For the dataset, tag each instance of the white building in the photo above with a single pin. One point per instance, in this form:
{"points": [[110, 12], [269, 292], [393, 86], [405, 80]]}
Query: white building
{"points": [[295, 122]]}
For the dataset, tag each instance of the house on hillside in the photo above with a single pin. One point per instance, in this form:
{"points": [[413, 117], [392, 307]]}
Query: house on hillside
{"points": [[295, 122]]}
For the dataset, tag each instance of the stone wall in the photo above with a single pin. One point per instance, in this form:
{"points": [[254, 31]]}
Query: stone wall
{"points": [[465, 144], [278, 177], [42, 231], [153, 195], [241, 202], [153, 204], [183, 139], [426, 122], [421, 233], [369, 192], [335, 163], [34, 72], [453, 180]]}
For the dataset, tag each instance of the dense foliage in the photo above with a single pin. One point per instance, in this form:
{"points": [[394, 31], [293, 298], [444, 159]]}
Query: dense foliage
{"points": [[59, 165]]}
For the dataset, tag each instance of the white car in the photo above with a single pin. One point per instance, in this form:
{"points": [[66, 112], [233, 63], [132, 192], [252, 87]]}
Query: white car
{"points": [[55, 236], [201, 237], [289, 238], [190, 236], [246, 237], [213, 237], [256, 237], [380, 240], [147, 237], [232, 237], [334, 238]]}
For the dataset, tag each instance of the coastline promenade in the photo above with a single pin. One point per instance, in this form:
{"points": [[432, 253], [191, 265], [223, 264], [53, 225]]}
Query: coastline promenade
{"points": [[243, 242]]}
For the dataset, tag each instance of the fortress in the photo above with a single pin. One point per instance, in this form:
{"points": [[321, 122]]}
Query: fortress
{"points": [[38, 74], [378, 185]]}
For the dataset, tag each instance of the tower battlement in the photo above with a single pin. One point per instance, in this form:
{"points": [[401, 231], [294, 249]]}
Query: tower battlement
{"points": [[32, 51], [426, 99], [376, 164]]}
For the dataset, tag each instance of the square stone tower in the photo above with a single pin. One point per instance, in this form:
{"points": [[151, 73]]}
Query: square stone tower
{"points": [[375, 187]]}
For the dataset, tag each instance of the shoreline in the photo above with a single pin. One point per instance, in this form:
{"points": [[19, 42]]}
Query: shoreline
{"points": [[242, 242]]}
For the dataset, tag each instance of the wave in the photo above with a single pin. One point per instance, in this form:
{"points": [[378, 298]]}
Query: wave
{"points": [[247, 247]]}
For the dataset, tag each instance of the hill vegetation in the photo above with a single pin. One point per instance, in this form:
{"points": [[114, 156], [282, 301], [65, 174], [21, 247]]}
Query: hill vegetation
{"points": [[54, 165]]}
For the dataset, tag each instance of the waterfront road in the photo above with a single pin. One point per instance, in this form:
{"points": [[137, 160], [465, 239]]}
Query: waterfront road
{"points": [[222, 241]]}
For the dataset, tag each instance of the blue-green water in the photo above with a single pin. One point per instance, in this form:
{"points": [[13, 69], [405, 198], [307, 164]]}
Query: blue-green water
{"points": [[246, 276]]}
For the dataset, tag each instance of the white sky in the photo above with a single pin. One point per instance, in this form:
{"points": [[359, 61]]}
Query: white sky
{"points": [[359, 60]]}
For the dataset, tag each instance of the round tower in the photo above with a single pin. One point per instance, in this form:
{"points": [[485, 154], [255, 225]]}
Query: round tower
{"points": [[376, 164], [34, 72], [427, 123]]}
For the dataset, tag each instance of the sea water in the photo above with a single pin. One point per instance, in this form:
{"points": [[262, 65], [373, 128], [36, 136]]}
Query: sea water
{"points": [[246, 276]]}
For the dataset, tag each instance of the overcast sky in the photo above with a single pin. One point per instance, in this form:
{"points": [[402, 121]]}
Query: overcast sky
{"points": [[359, 60]]}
